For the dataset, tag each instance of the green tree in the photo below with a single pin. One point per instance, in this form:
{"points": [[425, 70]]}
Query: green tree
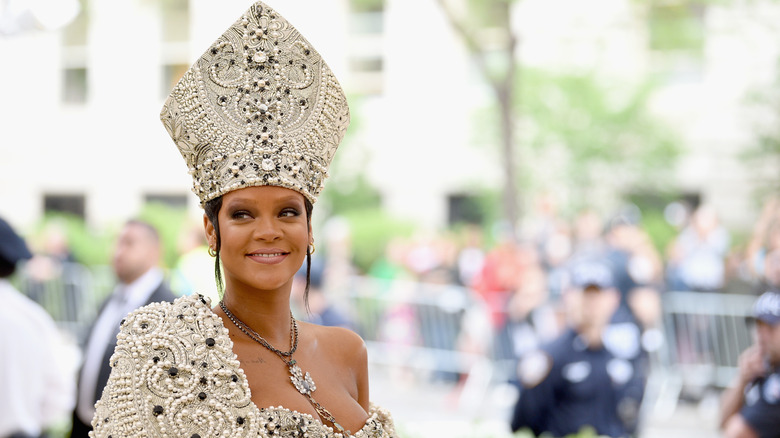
{"points": [[765, 153], [591, 129], [597, 132], [473, 21]]}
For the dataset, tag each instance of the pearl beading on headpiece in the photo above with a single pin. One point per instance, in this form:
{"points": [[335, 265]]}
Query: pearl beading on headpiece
{"points": [[260, 107]]}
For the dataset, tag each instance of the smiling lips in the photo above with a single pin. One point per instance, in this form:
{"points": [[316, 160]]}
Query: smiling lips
{"points": [[269, 256]]}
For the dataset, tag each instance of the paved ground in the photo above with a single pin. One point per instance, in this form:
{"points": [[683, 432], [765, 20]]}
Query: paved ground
{"points": [[423, 410]]}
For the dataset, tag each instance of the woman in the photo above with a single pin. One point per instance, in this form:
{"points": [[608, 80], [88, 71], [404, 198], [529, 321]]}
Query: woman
{"points": [[257, 119]]}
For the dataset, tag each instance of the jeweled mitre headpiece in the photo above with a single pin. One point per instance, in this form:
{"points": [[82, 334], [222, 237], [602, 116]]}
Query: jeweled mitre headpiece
{"points": [[260, 107]]}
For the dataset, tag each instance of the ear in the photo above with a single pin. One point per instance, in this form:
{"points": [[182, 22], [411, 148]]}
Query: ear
{"points": [[211, 232]]}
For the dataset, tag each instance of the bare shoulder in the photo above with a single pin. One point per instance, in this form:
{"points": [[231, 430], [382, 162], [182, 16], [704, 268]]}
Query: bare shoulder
{"points": [[346, 343]]}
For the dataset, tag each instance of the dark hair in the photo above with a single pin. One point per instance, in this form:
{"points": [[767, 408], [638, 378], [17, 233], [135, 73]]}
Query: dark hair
{"points": [[150, 229], [212, 207]]}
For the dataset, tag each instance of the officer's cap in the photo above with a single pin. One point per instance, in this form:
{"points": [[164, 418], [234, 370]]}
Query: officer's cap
{"points": [[588, 274], [767, 308]]}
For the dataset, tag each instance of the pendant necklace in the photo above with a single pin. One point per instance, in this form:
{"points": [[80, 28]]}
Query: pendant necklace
{"points": [[302, 382]]}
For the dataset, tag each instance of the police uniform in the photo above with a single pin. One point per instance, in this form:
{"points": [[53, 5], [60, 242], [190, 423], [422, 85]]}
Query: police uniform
{"points": [[762, 405], [566, 385], [762, 396]]}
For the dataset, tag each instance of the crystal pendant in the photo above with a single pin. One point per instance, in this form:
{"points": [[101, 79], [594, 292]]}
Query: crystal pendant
{"points": [[303, 383]]}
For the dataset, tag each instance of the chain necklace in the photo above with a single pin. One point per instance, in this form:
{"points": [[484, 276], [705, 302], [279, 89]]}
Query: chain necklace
{"points": [[302, 382]]}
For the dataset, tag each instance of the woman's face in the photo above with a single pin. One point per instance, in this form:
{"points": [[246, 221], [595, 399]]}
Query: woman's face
{"points": [[264, 237]]}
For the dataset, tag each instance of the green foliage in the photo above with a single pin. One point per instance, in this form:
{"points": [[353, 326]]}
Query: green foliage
{"points": [[654, 222], [355, 194], [677, 26], [367, 5], [765, 152], [372, 229], [92, 247], [169, 223], [489, 13], [350, 194], [660, 231], [87, 246], [603, 130]]}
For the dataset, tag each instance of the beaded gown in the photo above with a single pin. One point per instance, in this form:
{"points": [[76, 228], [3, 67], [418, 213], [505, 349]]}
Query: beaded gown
{"points": [[174, 374]]}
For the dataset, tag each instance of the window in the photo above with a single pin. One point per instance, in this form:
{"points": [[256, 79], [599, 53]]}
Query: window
{"points": [[366, 64], [70, 204], [169, 200], [465, 209], [74, 85]]}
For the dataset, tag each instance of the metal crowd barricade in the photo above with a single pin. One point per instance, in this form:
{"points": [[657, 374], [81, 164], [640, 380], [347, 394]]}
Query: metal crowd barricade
{"points": [[411, 324], [704, 334], [707, 332], [421, 327], [71, 294]]}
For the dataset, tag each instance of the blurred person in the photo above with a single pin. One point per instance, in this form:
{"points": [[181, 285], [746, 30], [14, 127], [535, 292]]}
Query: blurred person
{"points": [[696, 260], [638, 271], [764, 239], [53, 261], [390, 265], [470, 256], [587, 239], [193, 272], [423, 255], [581, 379], [136, 262], [768, 277], [316, 307], [750, 407], [772, 271], [36, 385], [337, 256], [500, 274], [532, 320]]}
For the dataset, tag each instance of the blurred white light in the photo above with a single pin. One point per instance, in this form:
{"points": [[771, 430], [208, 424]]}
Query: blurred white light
{"points": [[18, 16], [54, 14]]}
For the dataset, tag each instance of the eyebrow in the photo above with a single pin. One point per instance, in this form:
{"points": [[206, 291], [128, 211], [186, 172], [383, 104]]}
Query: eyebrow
{"points": [[248, 199]]}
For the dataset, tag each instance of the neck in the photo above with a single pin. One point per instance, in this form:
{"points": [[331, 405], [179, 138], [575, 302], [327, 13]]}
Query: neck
{"points": [[265, 312], [591, 334]]}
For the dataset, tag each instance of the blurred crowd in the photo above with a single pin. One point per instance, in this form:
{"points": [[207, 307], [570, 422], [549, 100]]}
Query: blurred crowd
{"points": [[523, 276], [510, 289]]}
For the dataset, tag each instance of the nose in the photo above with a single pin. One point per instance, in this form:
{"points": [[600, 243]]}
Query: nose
{"points": [[267, 229]]}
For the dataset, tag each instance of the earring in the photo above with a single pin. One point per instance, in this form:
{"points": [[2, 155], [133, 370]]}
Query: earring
{"points": [[212, 252], [311, 248]]}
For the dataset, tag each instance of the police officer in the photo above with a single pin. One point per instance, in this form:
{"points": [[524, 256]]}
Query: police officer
{"points": [[750, 407], [586, 376]]}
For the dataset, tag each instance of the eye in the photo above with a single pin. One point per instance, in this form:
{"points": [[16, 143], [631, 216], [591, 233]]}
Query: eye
{"points": [[240, 214], [289, 212]]}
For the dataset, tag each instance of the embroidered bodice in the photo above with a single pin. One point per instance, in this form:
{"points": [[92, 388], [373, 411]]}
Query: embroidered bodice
{"points": [[174, 374]]}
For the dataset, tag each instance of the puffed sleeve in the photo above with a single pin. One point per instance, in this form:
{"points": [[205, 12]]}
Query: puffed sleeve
{"points": [[174, 375]]}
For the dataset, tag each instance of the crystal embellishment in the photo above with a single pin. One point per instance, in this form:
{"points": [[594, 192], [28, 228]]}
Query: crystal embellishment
{"points": [[304, 384], [260, 90]]}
